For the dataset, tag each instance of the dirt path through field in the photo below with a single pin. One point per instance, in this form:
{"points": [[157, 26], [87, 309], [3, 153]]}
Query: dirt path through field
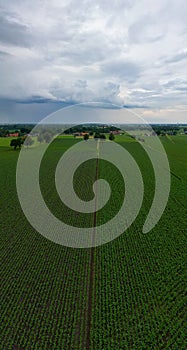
{"points": [[92, 270]]}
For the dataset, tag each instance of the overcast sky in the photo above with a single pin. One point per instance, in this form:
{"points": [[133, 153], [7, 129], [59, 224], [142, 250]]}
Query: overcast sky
{"points": [[129, 52]]}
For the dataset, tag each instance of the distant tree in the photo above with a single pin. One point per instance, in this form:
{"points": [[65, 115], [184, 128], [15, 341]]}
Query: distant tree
{"points": [[13, 143], [86, 137], [4, 132], [17, 143], [40, 138], [25, 130], [141, 139], [111, 137], [96, 136], [99, 136], [20, 141], [47, 137], [28, 141]]}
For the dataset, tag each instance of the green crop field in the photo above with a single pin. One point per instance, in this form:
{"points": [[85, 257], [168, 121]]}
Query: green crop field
{"points": [[126, 294]]}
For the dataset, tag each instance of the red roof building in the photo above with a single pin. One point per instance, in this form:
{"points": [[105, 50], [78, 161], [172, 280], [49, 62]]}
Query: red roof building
{"points": [[15, 134]]}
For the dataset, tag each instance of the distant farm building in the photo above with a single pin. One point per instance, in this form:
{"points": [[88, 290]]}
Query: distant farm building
{"points": [[84, 133], [116, 132], [15, 134], [80, 133]]}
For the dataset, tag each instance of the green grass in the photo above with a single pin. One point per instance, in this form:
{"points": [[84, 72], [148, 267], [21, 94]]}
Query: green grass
{"points": [[138, 291], [5, 141]]}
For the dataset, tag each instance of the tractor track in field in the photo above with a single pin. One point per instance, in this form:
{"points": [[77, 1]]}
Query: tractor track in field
{"points": [[92, 269]]}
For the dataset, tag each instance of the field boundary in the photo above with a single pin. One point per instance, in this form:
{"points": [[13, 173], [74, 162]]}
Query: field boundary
{"points": [[92, 270]]}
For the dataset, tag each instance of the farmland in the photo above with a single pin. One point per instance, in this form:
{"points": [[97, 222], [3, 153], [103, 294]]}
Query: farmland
{"points": [[126, 294]]}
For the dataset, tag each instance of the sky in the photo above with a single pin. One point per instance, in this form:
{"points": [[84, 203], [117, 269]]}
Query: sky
{"points": [[131, 53]]}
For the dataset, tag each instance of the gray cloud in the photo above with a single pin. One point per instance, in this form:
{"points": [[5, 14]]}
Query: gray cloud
{"points": [[4, 53], [177, 58], [146, 29], [14, 33], [126, 71], [121, 52]]}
